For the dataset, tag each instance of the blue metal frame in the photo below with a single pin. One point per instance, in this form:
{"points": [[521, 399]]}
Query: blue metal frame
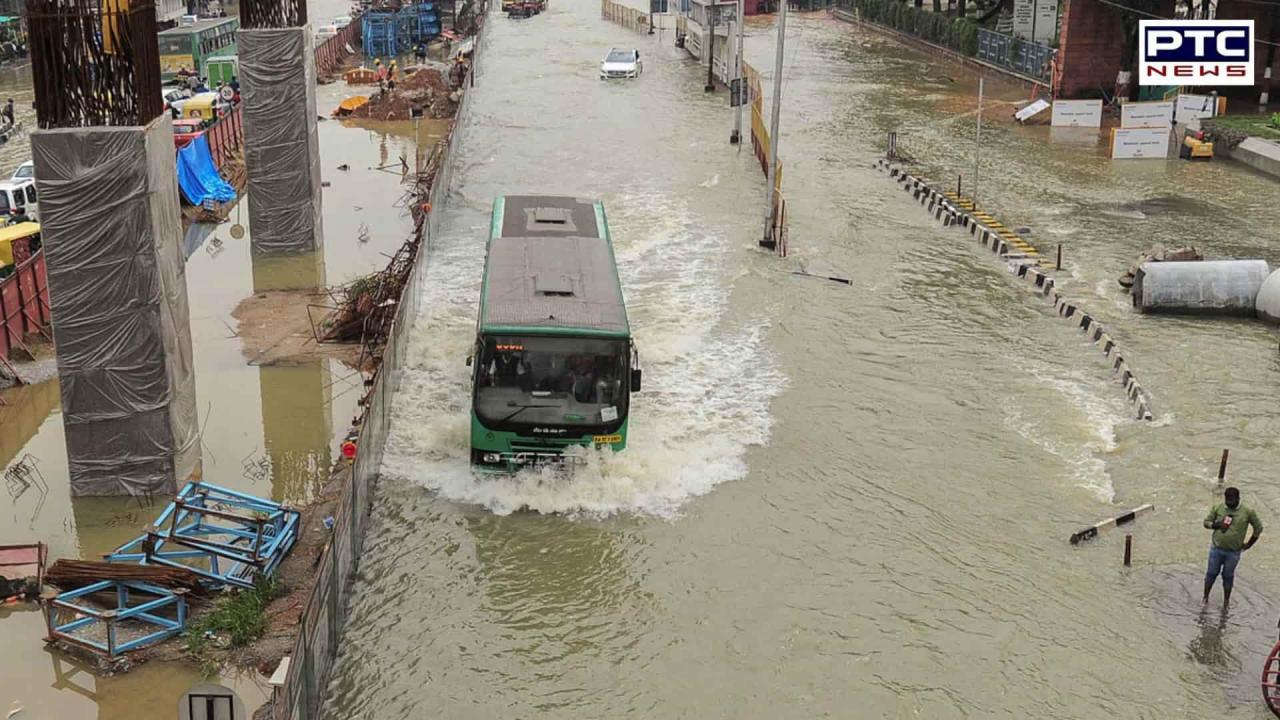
{"points": [[228, 548], [144, 612]]}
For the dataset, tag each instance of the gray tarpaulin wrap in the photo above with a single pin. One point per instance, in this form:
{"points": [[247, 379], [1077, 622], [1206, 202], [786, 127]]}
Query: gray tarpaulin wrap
{"points": [[282, 150], [111, 231]]}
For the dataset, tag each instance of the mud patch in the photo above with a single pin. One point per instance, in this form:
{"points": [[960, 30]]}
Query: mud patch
{"points": [[274, 328]]}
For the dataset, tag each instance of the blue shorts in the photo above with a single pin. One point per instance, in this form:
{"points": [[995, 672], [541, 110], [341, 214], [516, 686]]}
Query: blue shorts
{"points": [[1222, 561]]}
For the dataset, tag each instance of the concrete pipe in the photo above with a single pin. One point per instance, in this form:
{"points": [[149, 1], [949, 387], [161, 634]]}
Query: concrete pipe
{"points": [[1268, 303], [1212, 287]]}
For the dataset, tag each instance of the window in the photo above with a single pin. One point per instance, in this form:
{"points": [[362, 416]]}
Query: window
{"points": [[31, 193], [557, 382], [5, 204]]}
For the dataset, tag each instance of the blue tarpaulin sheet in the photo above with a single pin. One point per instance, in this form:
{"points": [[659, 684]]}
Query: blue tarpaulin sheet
{"points": [[197, 176]]}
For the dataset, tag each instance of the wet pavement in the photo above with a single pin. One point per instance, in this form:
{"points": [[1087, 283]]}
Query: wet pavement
{"points": [[835, 501]]}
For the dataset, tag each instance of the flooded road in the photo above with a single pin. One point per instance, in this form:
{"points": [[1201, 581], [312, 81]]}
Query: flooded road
{"points": [[269, 429], [834, 497]]}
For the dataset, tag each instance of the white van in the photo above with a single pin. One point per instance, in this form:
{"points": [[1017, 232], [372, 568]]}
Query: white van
{"points": [[324, 32], [18, 197]]}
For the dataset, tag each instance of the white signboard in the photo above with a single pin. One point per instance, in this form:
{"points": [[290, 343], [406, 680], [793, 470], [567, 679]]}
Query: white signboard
{"points": [[1191, 107], [1077, 113], [1045, 22], [1139, 143], [1146, 115], [1024, 17], [1035, 107]]}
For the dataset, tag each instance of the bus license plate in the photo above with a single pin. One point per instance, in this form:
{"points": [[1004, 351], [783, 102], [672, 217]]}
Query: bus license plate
{"points": [[606, 439]]}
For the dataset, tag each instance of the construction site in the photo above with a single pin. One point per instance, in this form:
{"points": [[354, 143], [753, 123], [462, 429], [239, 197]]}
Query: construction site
{"points": [[181, 454]]}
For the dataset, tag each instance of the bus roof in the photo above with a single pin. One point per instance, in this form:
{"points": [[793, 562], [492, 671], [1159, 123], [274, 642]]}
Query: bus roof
{"points": [[199, 26], [550, 268]]}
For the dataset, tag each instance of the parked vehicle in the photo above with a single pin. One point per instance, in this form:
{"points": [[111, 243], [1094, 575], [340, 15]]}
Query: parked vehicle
{"points": [[26, 170], [208, 105], [621, 64], [27, 233], [173, 95], [187, 129], [324, 32], [342, 21], [18, 199], [523, 8]]}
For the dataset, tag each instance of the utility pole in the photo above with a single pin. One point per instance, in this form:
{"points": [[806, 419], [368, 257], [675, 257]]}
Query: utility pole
{"points": [[735, 138], [711, 47], [977, 146], [1265, 97], [767, 240]]}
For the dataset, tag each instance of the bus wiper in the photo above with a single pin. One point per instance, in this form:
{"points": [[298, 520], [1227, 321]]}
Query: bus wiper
{"points": [[522, 408]]}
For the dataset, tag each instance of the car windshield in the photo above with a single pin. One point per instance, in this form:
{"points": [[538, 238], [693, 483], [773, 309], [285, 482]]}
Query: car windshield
{"points": [[619, 56], [25, 171], [556, 381]]}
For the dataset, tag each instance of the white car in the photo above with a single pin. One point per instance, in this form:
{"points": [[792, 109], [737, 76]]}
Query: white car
{"points": [[174, 96], [621, 64], [25, 171], [18, 197], [342, 21], [324, 32]]}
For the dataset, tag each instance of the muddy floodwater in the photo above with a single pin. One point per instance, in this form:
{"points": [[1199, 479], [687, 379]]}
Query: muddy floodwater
{"points": [[270, 429], [836, 501]]}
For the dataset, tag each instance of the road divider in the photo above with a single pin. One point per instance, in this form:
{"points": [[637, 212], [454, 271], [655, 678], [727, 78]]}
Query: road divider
{"points": [[1026, 262], [1091, 532]]}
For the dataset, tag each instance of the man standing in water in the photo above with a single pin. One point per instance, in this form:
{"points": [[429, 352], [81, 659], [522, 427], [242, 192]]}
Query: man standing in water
{"points": [[1229, 522]]}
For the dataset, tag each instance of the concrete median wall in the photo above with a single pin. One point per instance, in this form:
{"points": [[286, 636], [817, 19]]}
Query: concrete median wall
{"points": [[320, 630]]}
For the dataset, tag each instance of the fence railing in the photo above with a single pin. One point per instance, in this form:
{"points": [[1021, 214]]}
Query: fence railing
{"points": [[625, 16], [226, 136], [331, 53], [1021, 56], [315, 649], [24, 304]]}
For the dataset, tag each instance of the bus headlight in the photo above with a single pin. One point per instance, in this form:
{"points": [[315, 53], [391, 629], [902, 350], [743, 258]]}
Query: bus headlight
{"points": [[492, 458]]}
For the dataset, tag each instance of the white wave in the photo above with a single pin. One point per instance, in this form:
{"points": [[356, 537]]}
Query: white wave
{"points": [[1089, 436], [708, 381]]}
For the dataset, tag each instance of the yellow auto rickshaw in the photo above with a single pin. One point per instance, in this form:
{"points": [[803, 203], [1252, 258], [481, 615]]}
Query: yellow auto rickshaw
{"points": [[205, 106]]}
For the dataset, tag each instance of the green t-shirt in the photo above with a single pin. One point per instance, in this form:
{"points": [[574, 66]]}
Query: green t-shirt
{"points": [[1232, 538]]}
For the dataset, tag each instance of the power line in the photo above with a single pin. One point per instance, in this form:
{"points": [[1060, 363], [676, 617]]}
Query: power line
{"points": [[1136, 11]]}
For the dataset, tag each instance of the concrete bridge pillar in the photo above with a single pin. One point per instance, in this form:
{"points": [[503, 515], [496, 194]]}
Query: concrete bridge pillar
{"points": [[282, 149], [117, 289]]}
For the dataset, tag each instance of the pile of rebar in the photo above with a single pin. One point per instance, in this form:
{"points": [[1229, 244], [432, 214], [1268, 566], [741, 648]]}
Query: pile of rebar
{"points": [[71, 574]]}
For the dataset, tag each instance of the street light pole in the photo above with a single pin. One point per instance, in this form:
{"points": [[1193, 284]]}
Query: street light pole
{"points": [[767, 239], [735, 138], [711, 47], [977, 147]]}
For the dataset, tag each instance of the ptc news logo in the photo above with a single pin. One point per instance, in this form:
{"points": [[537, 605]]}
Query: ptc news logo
{"points": [[1195, 52]]}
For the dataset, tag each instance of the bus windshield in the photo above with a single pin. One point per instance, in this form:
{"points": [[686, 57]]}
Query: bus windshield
{"points": [[551, 381]]}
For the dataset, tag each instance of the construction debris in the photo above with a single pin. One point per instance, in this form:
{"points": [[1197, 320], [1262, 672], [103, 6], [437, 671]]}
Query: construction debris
{"points": [[225, 537], [423, 89], [1160, 253], [73, 574], [21, 571], [140, 615]]}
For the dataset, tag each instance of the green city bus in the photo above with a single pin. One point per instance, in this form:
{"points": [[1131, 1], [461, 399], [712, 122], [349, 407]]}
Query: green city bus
{"points": [[554, 364], [189, 47]]}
